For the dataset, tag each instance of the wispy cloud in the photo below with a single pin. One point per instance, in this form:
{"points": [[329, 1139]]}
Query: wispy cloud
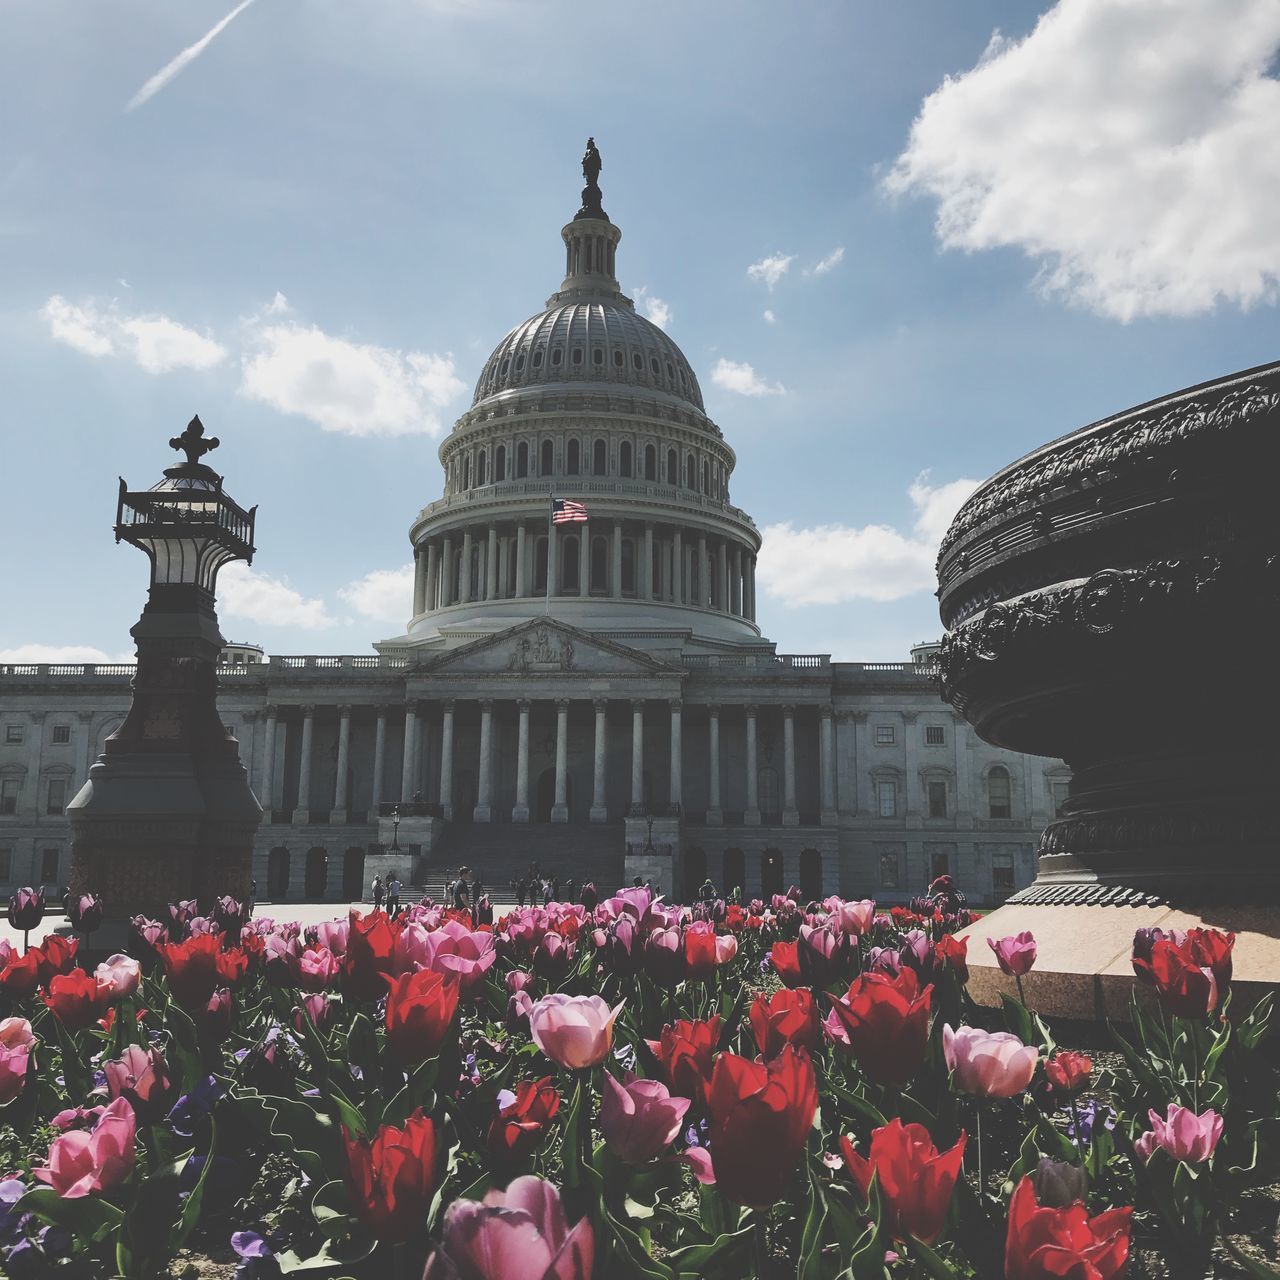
{"points": [[655, 308], [157, 343], [740, 377], [179, 64], [771, 269], [769, 316], [259, 598], [829, 263], [385, 595]]}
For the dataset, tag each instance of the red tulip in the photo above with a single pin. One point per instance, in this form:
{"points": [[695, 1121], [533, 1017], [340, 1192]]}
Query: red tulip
{"points": [[391, 1180], [21, 975], [685, 1054], [420, 1009], [785, 959], [786, 1017], [700, 950], [371, 943], [77, 999], [1212, 950], [761, 1114], [915, 1179], [886, 1021], [1045, 1243], [518, 1127], [194, 968], [1068, 1072], [1186, 987], [954, 953], [57, 955]]}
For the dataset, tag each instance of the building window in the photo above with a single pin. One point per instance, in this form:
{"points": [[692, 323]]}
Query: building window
{"points": [[10, 789], [939, 864], [1001, 875], [691, 473], [49, 859], [999, 793], [57, 799], [937, 799], [522, 460], [14, 734], [466, 473], [650, 462], [537, 359], [935, 735], [500, 464], [569, 577], [540, 565], [573, 456], [653, 365], [520, 362], [770, 794], [673, 467], [624, 458], [577, 355], [628, 567], [885, 736], [557, 356], [548, 458], [6, 865], [637, 362], [481, 462], [617, 359], [887, 799], [1059, 789], [599, 458], [889, 870], [599, 565]]}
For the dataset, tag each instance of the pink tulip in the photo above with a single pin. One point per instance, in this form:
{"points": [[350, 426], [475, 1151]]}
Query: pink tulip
{"points": [[16, 1033], [519, 1006], [320, 1008], [13, 1070], [81, 1163], [640, 1118], [1015, 955], [992, 1064], [141, 1075], [854, 918], [517, 1234], [1181, 1135], [573, 1031], [453, 948], [121, 974], [317, 968], [518, 980], [726, 948], [6, 950], [333, 934]]}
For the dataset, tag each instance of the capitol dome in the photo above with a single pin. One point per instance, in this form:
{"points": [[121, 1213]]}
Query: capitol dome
{"points": [[590, 403]]}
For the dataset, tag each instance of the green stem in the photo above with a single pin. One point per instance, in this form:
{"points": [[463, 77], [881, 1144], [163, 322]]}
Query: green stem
{"points": [[1022, 1000], [1079, 1137], [982, 1182]]}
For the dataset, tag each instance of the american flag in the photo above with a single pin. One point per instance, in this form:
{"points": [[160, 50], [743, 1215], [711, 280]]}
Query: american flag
{"points": [[566, 511]]}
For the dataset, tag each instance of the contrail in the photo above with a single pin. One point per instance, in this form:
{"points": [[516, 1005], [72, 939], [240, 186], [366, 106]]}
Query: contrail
{"points": [[187, 56]]}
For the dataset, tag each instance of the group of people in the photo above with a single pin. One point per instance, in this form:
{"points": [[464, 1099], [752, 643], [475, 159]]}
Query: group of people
{"points": [[391, 890]]}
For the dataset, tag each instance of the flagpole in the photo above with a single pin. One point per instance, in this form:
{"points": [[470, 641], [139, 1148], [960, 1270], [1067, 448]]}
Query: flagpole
{"points": [[551, 510]]}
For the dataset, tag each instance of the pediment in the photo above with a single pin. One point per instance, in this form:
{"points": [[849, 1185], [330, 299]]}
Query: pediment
{"points": [[543, 646]]}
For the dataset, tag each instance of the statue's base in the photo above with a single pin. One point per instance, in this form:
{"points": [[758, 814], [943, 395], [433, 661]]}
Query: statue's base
{"points": [[1083, 966]]}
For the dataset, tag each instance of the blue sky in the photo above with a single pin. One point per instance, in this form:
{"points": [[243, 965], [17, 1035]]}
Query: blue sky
{"points": [[314, 229]]}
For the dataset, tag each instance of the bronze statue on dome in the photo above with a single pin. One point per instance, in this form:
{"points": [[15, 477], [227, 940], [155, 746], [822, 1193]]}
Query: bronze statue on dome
{"points": [[591, 164]]}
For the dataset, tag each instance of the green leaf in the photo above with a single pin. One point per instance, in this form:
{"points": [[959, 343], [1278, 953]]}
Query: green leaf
{"points": [[934, 1264], [86, 1217], [1018, 1019], [727, 1254], [813, 1235], [1251, 1266], [858, 1105], [190, 1214], [571, 1141]]}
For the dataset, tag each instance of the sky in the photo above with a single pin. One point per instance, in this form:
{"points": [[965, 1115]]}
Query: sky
{"points": [[901, 245]]}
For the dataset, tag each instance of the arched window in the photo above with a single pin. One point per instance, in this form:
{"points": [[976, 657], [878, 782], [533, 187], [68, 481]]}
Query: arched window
{"points": [[637, 362], [628, 567], [999, 792], [597, 357], [506, 364], [572, 458], [500, 464], [706, 487], [695, 872], [617, 359], [537, 359], [569, 574], [278, 874], [577, 355], [653, 365], [548, 458], [650, 462], [522, 460], [624, 458], [673, 467], [540, 565], [599, 459], [317, 875], [691, 472], [659, 558], [481, 460], [520, 362], [770, 794], [811, 874], [557, 356], [734, 870], [599, 565], [771, 878]]}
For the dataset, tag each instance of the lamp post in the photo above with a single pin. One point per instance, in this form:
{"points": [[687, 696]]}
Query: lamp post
{"points": [[167, 811], [395, 829]]}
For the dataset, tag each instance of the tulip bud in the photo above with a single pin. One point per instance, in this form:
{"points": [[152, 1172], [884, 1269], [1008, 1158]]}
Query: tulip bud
{"points": [[121, 974], [1059, 1184], [84, 911], [26, 909]]}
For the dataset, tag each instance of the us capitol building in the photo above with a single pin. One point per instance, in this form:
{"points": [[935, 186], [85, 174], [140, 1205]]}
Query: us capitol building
{"points": [[594, 695]]}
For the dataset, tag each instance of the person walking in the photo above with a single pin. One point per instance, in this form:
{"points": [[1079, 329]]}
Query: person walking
{"points": [[393, 894], [522, 887], [377, 893], [253, 895], [461, 890]]}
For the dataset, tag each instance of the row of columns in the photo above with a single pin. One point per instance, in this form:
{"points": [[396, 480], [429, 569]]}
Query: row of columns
{"points": [[484, 809], [704, 572]]}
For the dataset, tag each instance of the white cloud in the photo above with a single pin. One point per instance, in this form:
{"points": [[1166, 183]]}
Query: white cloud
{"points": [[1130, 149], [769, 316], [835, 563], [352, 387], [172, 68], [740, 377], [156, 343], [771, 269], [829, 263], [257, 597], [25, 653], [654, 308], [385, 595]]}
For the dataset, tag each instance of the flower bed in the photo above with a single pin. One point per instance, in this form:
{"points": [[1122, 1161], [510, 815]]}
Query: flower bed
{"points": [[620, 1088]]}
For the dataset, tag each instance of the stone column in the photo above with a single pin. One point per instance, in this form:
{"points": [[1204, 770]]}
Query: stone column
{"points": [[827, 750], [446, 573], [560, 810], [715, 814], [268, 797], [751, 817], [338, 816], [704, 573], [520, 813], [464, 595], [379, 762], [790, 817], [722, 578], [637, 755], [735, 581], [751, 577], [646, 569], [677, 568], [522, 584], [419, 582], [616, 583], [677, 765], [446, 760], [599, 809], [553, 562], [491, 565], [504, 565], [303, 812], [433, 576], [484, 790], [584, 559], [410, 747]]}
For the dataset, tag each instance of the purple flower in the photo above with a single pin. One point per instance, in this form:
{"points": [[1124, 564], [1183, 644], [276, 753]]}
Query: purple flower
{"points": [[192, 1107], [249, 1244], [1090, 1113]]}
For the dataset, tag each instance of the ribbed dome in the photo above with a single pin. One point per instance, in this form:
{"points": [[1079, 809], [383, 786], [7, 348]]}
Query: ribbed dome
{"points": [[579, 344]]}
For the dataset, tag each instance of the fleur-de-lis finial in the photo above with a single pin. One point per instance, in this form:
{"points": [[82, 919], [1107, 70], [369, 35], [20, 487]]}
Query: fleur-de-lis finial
{"points": [[192, 442]]}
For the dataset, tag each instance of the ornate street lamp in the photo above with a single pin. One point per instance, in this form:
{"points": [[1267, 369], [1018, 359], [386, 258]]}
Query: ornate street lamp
{"points": [[395, 829]]}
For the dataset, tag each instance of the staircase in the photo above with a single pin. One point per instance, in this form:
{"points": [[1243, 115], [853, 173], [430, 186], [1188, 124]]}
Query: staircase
{"points": [[501, 852]]}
